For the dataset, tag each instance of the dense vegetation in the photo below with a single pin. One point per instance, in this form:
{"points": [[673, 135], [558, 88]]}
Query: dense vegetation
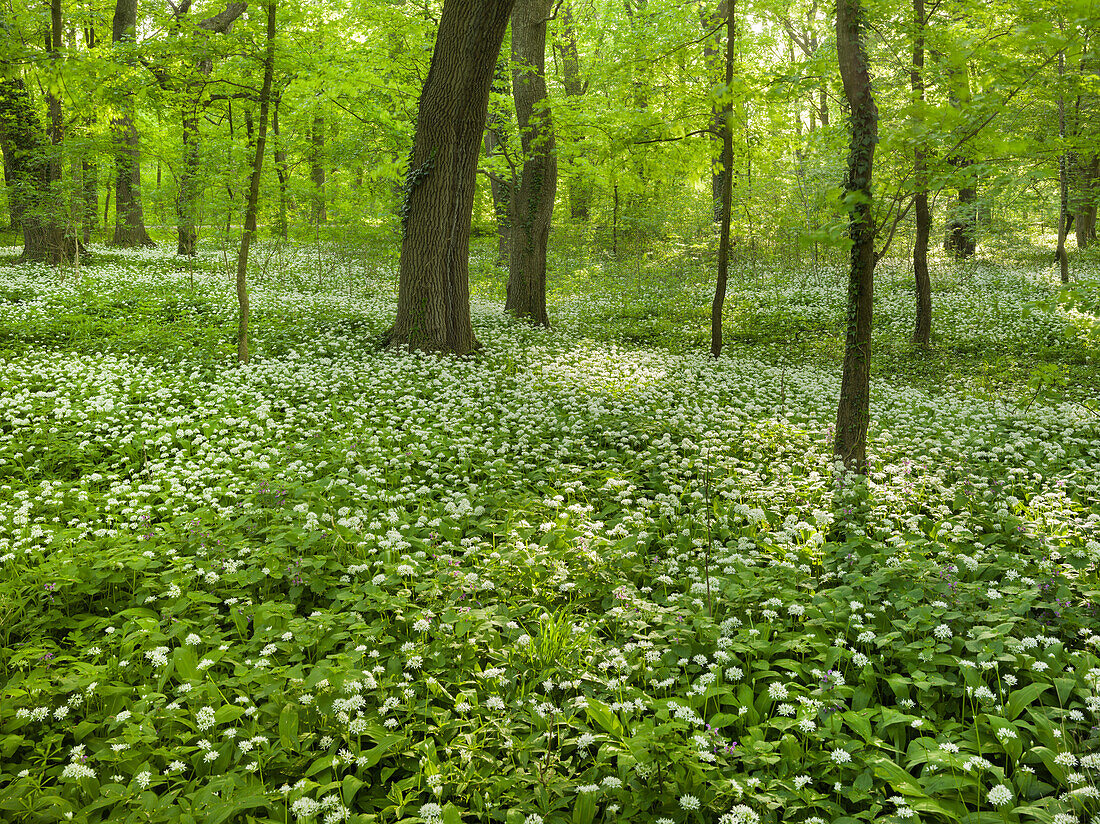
{"points": [[267, 555], [581, 575]]}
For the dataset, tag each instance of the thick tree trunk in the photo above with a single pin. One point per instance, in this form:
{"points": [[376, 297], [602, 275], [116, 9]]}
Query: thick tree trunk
{"points": [[317, 169], [39, 212], [254, 189], [129, 213], [922, 328], [579, 189], [501, 182], [533, 199], [433, 302], [725, 118], [853, 411]]}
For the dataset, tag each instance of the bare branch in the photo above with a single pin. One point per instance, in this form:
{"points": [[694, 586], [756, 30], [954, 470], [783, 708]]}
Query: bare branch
{"points": [[221, 21]]}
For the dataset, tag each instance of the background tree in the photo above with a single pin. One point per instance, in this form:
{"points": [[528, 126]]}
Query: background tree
{"points": [[532, 203], [129, 213], [254, 188]]}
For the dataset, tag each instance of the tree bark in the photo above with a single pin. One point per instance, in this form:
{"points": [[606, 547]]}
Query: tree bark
{"points": [[922, 328], [433, 302], [187, 196], [280, 171], [961, 237], [719, 168], [33, 162], [501, 183], [579, 189], [190, 178], [533, 199], [1084, 202], [725, 117], [254, 189], [129, 213], [853, 411], [1063, 179], [317, 169]]}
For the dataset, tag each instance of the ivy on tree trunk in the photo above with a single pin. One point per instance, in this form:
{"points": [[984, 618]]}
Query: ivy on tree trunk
{"points": [[433, 300], [853, 411]]}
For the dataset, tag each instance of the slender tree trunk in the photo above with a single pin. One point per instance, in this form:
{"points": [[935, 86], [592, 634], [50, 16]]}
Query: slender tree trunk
{"points": [[129, 213], [433, 302], [89, 169], [1063, 179], [533, 200], [89, 175], [579, 189], [317, 169], [1083, 201], [961, 237], [187, 232], [191, 179], [725, 117], [501, 182], [280, 171], [922, 329], [853, 411], [719, 167], [254, 189]]}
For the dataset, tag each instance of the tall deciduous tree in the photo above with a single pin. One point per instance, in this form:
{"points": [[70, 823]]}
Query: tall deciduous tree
{"points": [[36, 204], [501, 178], [853, 411], [579, 189], [433, 301], [725, 118], [190, 186], [960, 239], [254, 187], [712, 20], [129, 214], [922, 328], [1063, 174], [533, 199]]}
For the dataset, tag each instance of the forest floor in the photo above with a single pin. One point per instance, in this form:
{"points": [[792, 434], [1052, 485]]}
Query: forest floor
{"points": [[586, 574]]}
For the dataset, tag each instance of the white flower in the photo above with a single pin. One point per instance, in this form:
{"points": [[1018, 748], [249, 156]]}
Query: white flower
{"points": [[840, 756], [1000, 795], [204, 718], [689, 802]]}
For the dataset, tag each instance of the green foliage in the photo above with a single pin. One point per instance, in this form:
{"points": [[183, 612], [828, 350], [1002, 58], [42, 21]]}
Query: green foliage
{"points": [[297, 589]]}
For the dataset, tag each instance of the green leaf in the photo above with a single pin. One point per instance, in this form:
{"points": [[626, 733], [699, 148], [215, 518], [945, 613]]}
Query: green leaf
{"points": [[288, 727], [584, 808], [1021, 698], [897, 777], [601, 714], [452, 814], [859, 724]]}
